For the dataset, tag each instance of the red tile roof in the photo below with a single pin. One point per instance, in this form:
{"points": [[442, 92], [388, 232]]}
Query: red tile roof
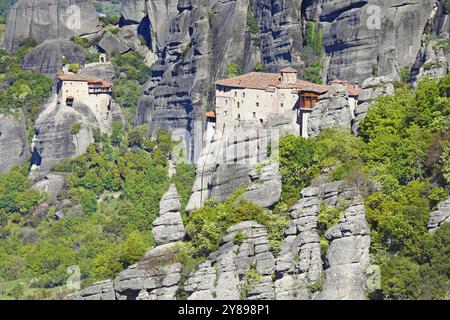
{"points": [[84, 78], [289, 70], [262, 81], [353, 90]]}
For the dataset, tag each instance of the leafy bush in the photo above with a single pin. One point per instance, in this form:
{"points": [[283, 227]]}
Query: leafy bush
{"points": [[206, 227]]}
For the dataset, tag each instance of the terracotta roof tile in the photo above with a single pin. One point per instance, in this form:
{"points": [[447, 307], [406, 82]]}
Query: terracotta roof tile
{"points": [[289, 70], [84, 78], [262, 81]]}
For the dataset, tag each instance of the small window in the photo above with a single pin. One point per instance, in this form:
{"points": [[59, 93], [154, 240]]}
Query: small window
{"points": [[235, 93], [243, 94], [282, 105], [261, 120], [254, 115], [257, 104], [238, 105], [239, 117]]}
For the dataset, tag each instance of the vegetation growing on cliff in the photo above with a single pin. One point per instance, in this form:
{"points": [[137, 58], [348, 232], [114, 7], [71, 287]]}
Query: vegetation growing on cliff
{"points": [[312, 53], [112, 196]]}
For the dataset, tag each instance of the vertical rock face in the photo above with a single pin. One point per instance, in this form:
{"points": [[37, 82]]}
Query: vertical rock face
{"points": [[238, 158], [244, 267], [332, 111], [347, 257], [436, 62], [202, 39], [440, 216], [13, 142], [220, 277], [168, 227], [299, 266], [281, 32], [157, 275], [372, 88], [360, 34], [49, 19], [55, 140]]}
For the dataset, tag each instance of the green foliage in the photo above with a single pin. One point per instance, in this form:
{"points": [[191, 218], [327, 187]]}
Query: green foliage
{"points": [[312, 53], [399, 129], [83, 42], [259, 67], [252, 24], [328, 217], [405, 74], [115, 194], [184, 179], [131, 65], [301, 160], [76, 128], [131, 74], [233, 70], [15, 197], [239, 238], [5, 5], [251, 278], [296, 159], [375, 69], [21, 92], [206, 226]]}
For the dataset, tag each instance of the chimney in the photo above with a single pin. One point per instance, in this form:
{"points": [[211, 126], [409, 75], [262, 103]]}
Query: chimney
{"points": [[288, 76]]}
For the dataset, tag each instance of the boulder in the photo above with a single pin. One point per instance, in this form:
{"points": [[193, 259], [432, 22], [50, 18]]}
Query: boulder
{"points": [[47, 57], [440, 216], [110, 43], [52, 184]]}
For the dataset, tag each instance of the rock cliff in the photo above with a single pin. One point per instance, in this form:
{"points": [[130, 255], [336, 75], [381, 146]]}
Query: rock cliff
{"points": [[372, 88], [332, 111], [13, 142], [358, 35], [157, 275], [49, 19], [244, 267], [47, 57], [239, 158]]}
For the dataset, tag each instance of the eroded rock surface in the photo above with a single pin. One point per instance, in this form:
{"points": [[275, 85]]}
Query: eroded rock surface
{"points": [[223, 276], [440, 216], [238, 158], [372, 88], [358, 35], [332, 111], [49, 19], [168, 227], [347, 258], [46, 58], [157, 275], [13, 142]]}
